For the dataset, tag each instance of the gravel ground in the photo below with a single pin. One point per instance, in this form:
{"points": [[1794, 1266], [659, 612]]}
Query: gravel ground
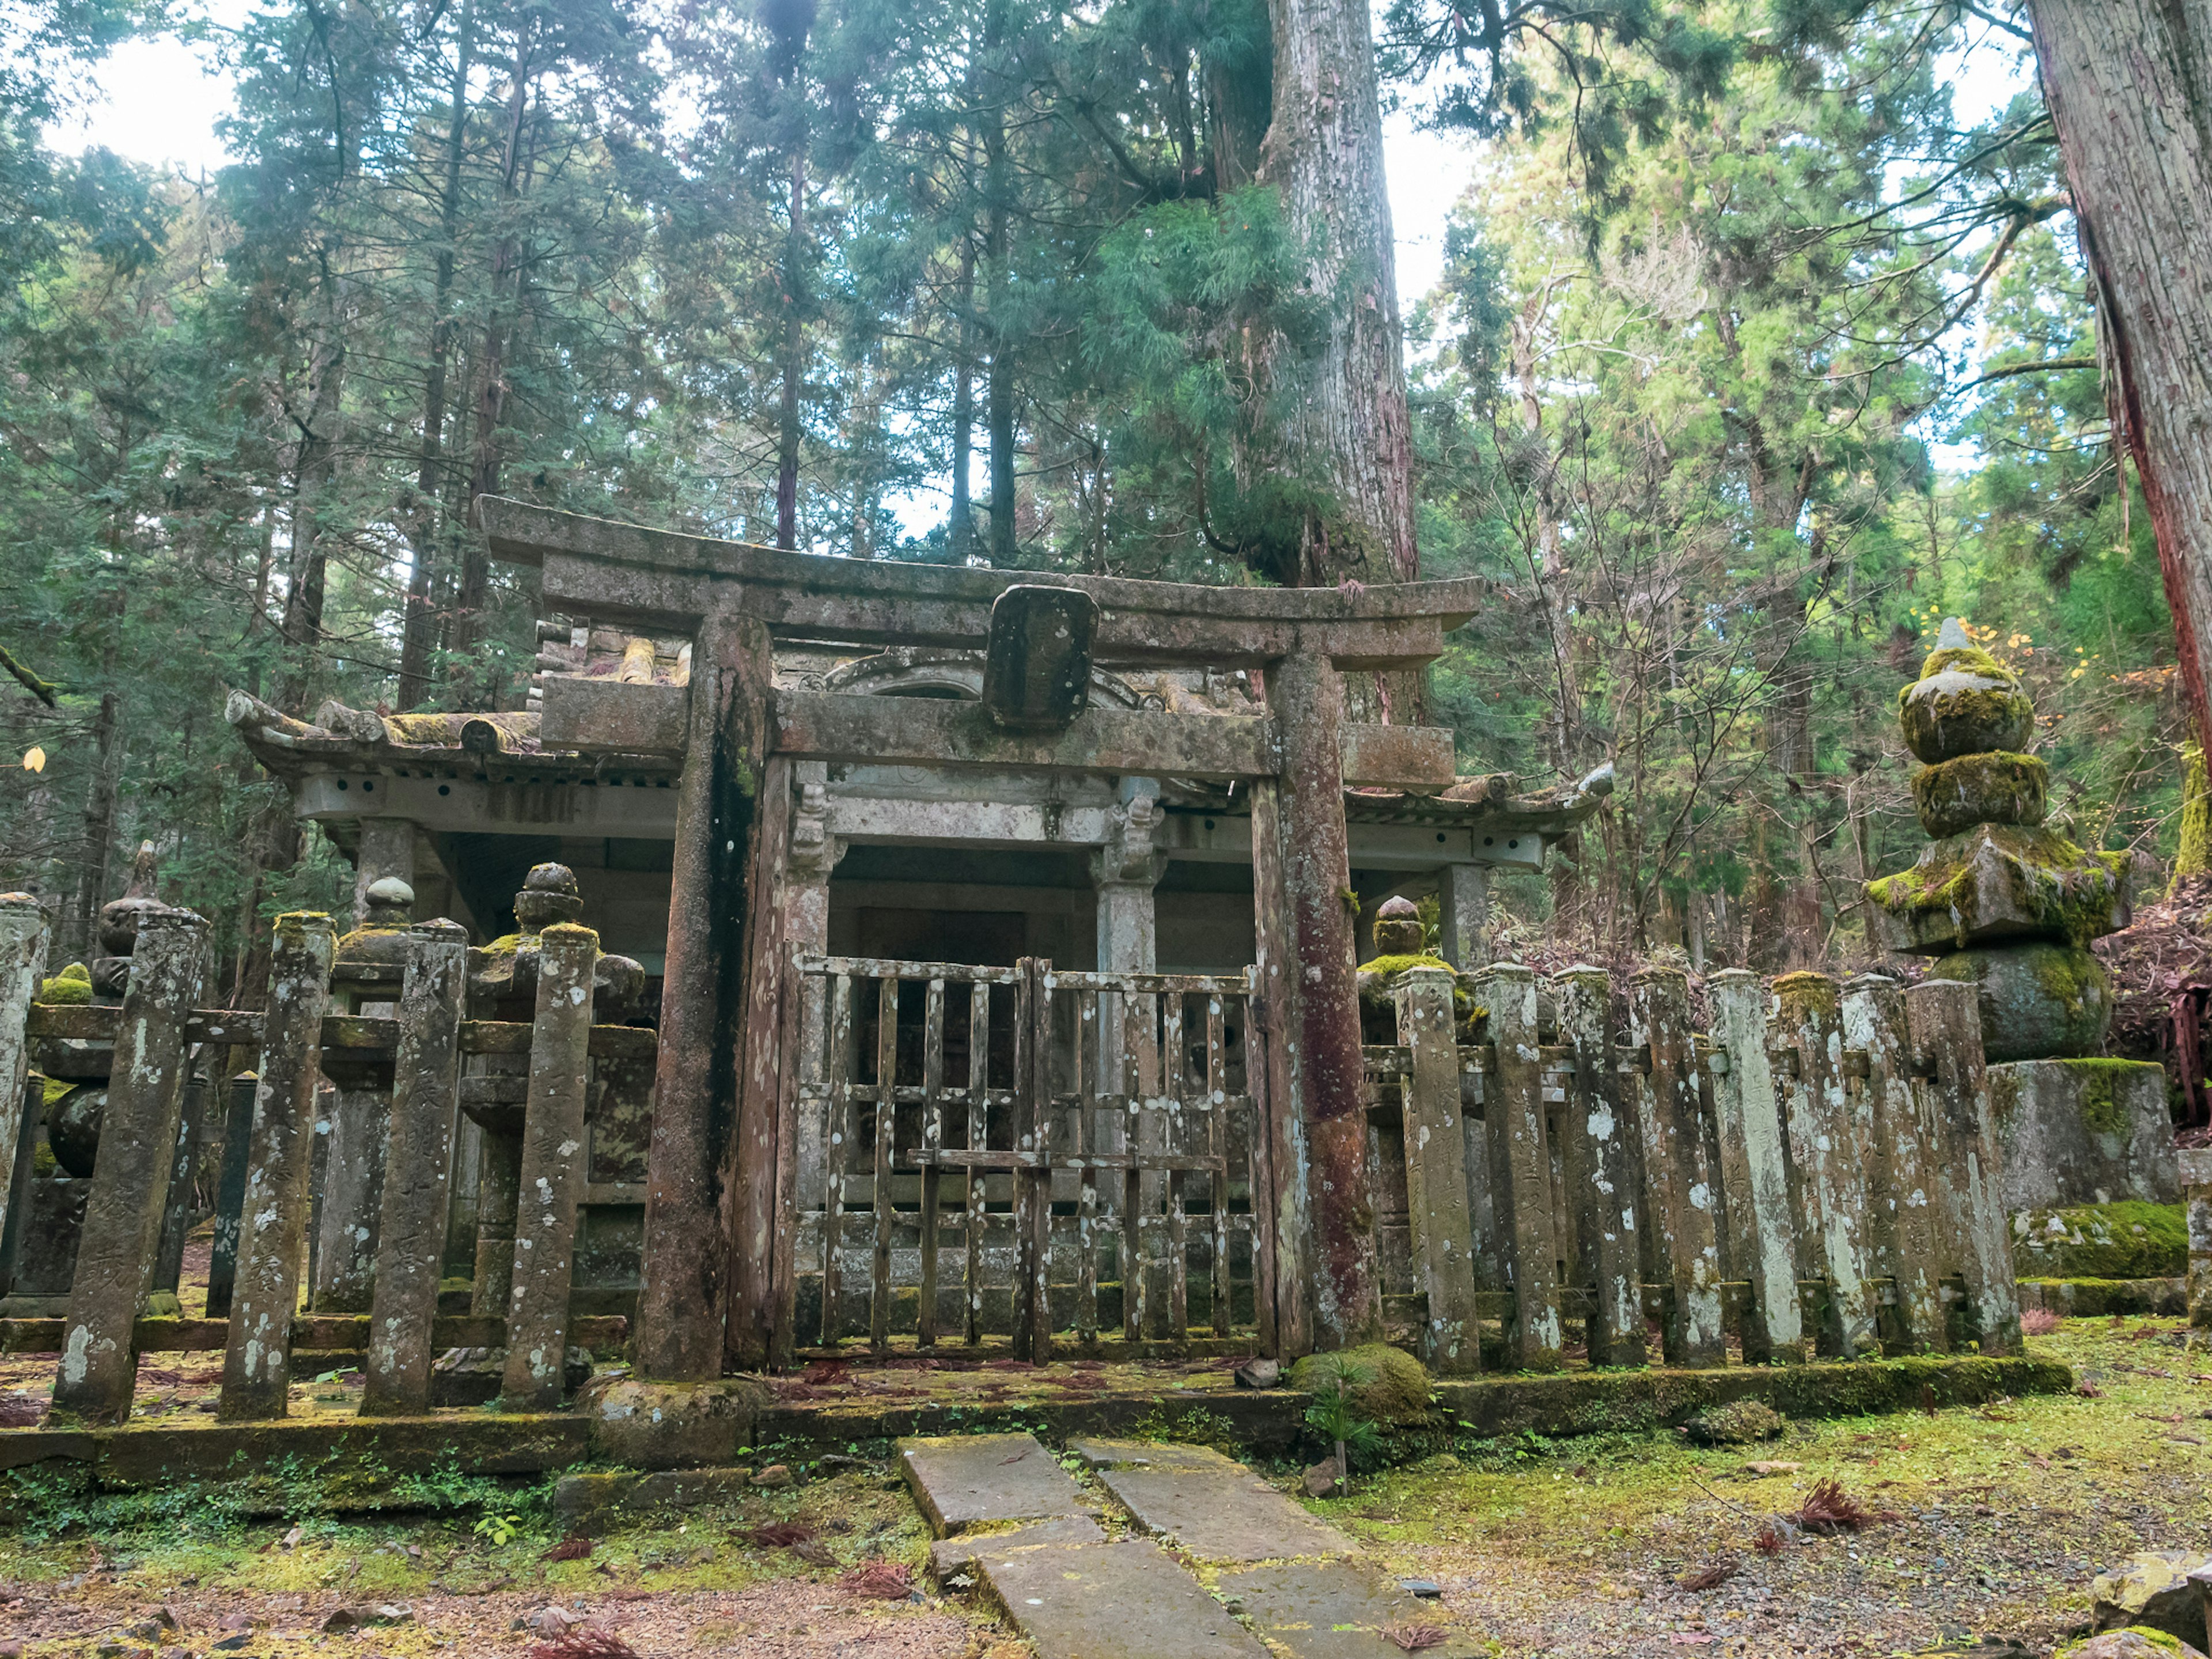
{"points": [[1997, 1518]]}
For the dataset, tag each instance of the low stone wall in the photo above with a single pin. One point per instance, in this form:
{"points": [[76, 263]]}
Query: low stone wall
{"points": [[2080, 1132]]}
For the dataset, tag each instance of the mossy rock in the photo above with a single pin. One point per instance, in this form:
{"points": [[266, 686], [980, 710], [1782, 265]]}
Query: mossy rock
{"points": [[1997, 882], [1955, 795], [2136, 1642], [1394, 1390], [2038, 1001], [2129, 1239], [72, 985], [1965, 703], [1739, 1423]]}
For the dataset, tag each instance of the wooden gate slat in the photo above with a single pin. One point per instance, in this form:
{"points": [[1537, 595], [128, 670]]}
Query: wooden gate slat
{"points": [[879, 1293], [1217, 1143], [933, 1139], [833, 1162], [1088, 1045], [978, 1133]]}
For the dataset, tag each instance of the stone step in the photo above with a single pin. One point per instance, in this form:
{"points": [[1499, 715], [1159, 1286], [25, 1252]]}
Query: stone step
{"points": [[949, 1556], [1214, 1507], [971, 1480], [1126, 1600], [1337, 1610]]}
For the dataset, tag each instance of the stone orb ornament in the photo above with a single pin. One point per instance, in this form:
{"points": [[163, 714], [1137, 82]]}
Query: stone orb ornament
{"points": [[1398, 930], [1954, 795], [2038, 1000], [549, 895], [73, 1130], [1965, 703]]}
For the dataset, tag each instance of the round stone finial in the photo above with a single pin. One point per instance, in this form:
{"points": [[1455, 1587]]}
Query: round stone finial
{"points": [[390, 900], [1398, 930], [549, 895], [1965, 703]]}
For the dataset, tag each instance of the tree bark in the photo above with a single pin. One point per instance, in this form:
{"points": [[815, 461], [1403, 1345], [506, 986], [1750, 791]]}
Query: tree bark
{"points": [[999, 387], [419, 626], [2127, 82], [960, 524], [1345, 421]]}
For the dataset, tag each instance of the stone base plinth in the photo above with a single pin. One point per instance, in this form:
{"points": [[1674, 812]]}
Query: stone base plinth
{"points": [[2084, 1132]]}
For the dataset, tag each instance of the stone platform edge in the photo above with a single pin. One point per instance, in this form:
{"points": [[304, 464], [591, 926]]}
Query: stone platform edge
{"points": [[366, 1461]]}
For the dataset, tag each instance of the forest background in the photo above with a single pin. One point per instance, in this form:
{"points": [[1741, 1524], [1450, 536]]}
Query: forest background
{"points": [[1729, 280]]}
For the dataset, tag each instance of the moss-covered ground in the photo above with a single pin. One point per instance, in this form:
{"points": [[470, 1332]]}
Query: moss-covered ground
{"points": [[1999, 1517]]}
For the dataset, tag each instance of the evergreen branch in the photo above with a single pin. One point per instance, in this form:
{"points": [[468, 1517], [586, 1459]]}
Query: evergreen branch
{"points": [[2051, 364], [43, 690]]}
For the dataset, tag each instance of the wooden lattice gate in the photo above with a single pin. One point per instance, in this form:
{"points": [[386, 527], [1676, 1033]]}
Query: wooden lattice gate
{"points": [[1004, 1157]]}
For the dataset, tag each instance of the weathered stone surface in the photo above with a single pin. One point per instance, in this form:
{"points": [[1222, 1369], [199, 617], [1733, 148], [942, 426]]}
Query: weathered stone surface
{"points": [[1335, 1610], [1113, 1601], [948, 1556], [1223, 1513], [1999, 882], [612, 1494], [668, 1426], [1036, 660], [2038, 1001], [1387, 1385], [1097, 1454], [1955, 795], [1965, 703], [614, 716], [963, 1481], [2152, 1590], [2080, 1132]]}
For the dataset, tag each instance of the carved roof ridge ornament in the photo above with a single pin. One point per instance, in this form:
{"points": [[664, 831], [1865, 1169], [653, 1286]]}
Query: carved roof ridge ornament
{"points": [[630, 573]]}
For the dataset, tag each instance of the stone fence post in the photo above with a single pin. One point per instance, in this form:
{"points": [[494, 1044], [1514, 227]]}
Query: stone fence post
{"points": [[1679, 1186], [555, 1151], [1520, 1165], [410, 1241], [1755, 1168], [1597, 1128], [1435, 1172], [22, 959], [257, 1363], [1945, 1025], [130, 1194], [2196, 1188]]}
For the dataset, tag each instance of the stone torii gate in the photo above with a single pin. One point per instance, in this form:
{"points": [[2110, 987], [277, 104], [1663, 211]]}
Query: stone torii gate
{"points": [[718, 1172]]}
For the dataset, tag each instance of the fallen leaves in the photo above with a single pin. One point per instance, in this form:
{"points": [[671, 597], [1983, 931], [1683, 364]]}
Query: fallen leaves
{"points": [[1830, 1510], [780, 1534], [881, 1581], [584, 1641], [1414, 1638], [1712, 1575], [569, 1549]]}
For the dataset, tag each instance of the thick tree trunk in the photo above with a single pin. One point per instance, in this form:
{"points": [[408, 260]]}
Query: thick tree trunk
{"points": [[1346, 428], [313, 470], [795, 358], [419, 626], [491, 382], [960, 524], [2127, 82], [999, 388]]}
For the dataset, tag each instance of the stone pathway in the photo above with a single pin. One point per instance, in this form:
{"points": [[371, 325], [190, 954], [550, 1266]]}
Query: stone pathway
{"points": [[1242, 1562]]}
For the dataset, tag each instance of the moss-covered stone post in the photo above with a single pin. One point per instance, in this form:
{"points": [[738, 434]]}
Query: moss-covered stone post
{"points": [[1521, 1164], [1944, 1022], [22, 961], [691, 1175], [1901, 1215], [2196, 1193], [555, 1152], [257, 1361], [1435, 1171], [1320, 1027], [1754, 1169], [1678, 1182], [123, 1213], [410, 1245], [1808, 1028], [1596, 1123]]}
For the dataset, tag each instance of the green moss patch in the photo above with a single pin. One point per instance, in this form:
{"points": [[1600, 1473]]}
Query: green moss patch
{"points": [[1395, 1390], [2127, 1240], [1999, 787], [73, 985]]}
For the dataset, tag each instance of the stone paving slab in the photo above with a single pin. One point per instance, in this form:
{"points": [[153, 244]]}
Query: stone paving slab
{"points": [[1336, 1610], [1126, 1600], [967, 1480], [1099, 1454], [950, 1555], [1222, 1514]]}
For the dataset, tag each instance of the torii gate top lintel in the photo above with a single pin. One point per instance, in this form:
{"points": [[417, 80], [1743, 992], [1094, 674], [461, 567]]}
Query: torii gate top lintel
{"points": [[628, 572]]}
